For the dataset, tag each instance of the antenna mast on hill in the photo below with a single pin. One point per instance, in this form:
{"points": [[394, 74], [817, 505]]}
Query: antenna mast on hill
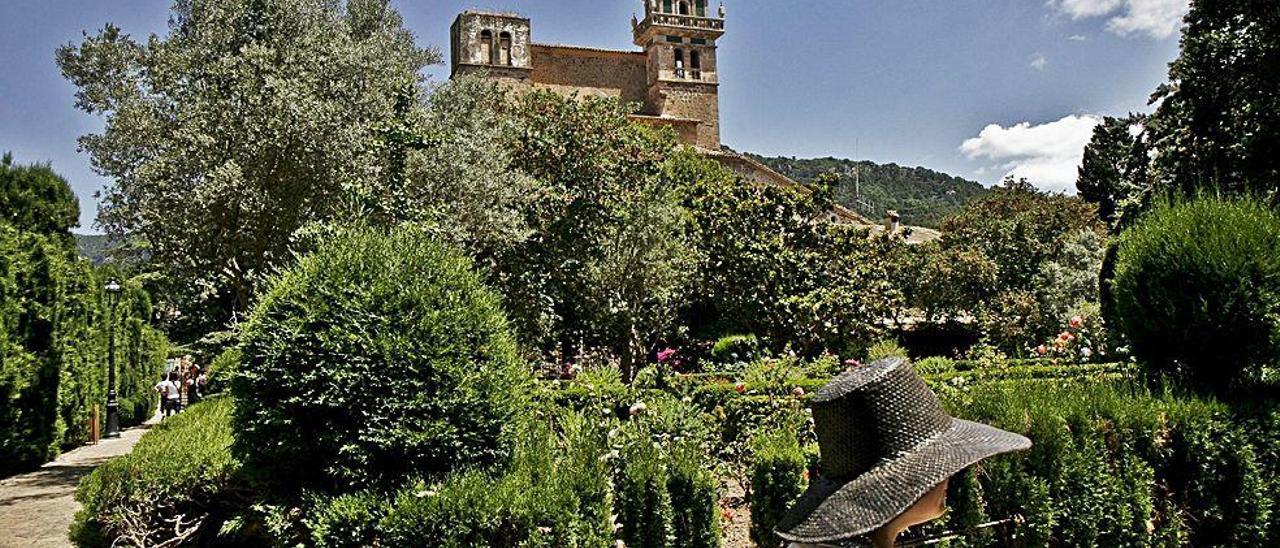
{"points": [[857, 173], [858, 202]]}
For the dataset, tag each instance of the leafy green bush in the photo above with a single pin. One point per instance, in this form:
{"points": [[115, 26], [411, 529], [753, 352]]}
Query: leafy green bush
{"points": [[1197, 290], [348, 520], [735, 348], [935, 365], [554, 495], [173, 485], [643, 502], [221, 369], [777, 478], [694, 490], [385, 357], [887, 348]]}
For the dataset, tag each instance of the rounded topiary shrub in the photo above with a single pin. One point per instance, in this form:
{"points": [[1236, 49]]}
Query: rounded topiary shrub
{"points": [[380, 356], [1197, 290]]}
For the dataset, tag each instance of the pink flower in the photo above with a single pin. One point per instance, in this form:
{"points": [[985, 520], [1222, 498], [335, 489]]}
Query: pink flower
{"points": [[1042, 350], [1076, 322], [740, 387], [797, 392], [666, 354], [1066, 337], [852, 363]]}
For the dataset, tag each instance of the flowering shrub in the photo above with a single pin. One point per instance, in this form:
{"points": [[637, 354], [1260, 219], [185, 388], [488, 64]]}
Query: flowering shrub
{"points": [[1082, 340]]}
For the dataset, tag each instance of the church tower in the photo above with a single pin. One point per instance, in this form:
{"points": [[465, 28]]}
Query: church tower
{"points": [[496, 44], [679, 40]]}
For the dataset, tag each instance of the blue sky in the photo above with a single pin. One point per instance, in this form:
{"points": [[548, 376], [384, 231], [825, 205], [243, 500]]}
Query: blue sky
{"points": [[975, 88]]}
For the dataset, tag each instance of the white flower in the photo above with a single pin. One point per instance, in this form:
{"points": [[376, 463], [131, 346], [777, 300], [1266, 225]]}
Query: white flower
{"points": [[638, 408], [1086, 352]]}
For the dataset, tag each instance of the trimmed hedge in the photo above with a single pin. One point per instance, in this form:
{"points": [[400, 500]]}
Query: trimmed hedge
{"points": [[53, 349], [554, 494], [1111, 465], [1197, 291], [385, 357], [1125, 468], [180, 470], [777, 479]]}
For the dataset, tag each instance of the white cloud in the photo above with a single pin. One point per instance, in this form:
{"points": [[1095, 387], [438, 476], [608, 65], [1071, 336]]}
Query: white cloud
{"points": [[1077, 38], [1155, 18], [1038, 61], [1047, 155]]}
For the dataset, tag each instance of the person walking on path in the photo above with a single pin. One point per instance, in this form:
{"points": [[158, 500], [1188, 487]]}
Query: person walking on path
{"points": [[170, 393]]}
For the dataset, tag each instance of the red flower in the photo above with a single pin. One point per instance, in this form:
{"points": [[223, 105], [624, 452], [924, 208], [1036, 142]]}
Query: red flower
{"points": [[740, 387], [1076, 322]]}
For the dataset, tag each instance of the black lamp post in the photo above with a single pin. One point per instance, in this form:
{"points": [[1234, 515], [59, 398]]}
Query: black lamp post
{"points": [[113, 406]]}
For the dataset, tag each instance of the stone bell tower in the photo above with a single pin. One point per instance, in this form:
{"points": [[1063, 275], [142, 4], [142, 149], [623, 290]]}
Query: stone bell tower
{"points": [[496, 44], [679, 40]]}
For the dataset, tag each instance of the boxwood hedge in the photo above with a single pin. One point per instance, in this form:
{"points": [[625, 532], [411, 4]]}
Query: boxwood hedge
{"points": [[378, 357]]}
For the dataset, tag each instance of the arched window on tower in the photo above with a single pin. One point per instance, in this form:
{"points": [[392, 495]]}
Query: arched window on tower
{"points": [[701, 7], [504, 49], [679, 63], [486, 46], [684, 7], [695, 65]]}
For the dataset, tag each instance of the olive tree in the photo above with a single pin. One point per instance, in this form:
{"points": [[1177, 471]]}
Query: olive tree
{"points": [[245, 121]]}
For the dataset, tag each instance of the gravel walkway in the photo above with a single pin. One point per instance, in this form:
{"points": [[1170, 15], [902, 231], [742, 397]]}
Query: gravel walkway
{"points": [[36, 508]]}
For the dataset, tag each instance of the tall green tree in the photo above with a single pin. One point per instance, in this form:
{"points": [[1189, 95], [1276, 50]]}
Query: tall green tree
{"points": [[1114, 173], [35, 198], [247, 120], [1218, 123], [603, 263], [774, 265]]}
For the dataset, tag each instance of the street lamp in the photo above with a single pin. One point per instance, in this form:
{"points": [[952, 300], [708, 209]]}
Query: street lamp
{"points": [[113, 406]]}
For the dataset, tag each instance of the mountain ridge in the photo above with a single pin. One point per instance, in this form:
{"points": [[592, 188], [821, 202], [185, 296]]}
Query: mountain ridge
{"points": [[922, 196]]}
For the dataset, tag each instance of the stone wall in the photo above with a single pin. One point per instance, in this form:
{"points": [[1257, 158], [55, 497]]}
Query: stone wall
{"points": [[566, 70], [691, 101]]}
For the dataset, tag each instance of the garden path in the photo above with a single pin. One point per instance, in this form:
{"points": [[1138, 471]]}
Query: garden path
{"points": [[36, 508]]}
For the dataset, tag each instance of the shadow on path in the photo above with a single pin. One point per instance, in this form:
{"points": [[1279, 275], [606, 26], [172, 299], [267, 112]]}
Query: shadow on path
{"points": [[36, 508]]}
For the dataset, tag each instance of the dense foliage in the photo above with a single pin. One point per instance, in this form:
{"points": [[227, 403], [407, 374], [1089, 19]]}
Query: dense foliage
{"points": [[1216, 127], [1197, 290], [247, 120], [1019, 263], [922, 196], [174, 485], [33, 198], [774, 266], [1218, 121], [1115, 169], [384, 356], [608, 255], [54, 326]]}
